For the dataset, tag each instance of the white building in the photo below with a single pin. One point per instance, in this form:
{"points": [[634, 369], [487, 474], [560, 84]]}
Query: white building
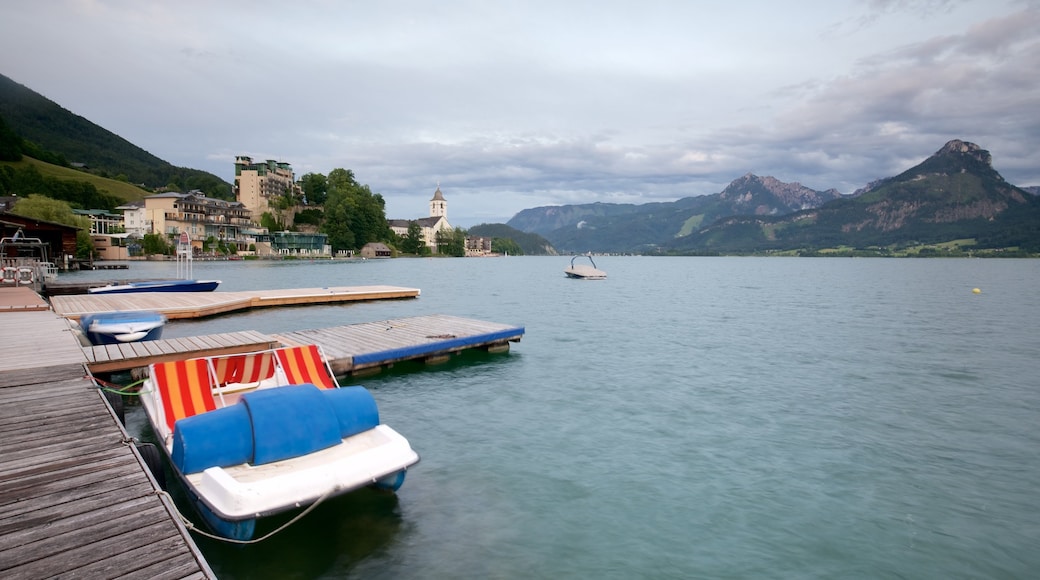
{"points": [[437, 221]]}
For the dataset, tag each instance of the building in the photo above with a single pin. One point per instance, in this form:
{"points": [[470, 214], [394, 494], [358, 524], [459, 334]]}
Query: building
{"points": [[292, 244], [101, 221], [135, 218], [200, 217], [437, 221], [478, 246], [376, 250], [60, 239], [258, 184]]}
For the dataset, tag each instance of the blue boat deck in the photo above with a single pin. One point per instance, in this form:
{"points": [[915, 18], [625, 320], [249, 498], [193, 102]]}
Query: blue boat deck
{"points": [[358, 347]]}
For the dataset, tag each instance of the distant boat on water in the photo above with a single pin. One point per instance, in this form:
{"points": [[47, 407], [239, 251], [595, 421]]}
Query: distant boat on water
{"points": [[584, 271]]}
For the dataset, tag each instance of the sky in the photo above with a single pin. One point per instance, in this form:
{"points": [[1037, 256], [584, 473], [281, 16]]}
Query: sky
{"points": [[508, 105]]}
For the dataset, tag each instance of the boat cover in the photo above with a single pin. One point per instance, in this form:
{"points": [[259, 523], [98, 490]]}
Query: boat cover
{"points": [[270, 425]]}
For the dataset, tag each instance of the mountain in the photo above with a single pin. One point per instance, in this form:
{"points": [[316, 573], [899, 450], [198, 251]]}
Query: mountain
{"points": [[531, 244], [953, 195], [625, 228], [75, 140]]}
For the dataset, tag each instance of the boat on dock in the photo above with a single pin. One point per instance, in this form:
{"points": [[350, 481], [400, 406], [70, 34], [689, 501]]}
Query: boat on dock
{"points": [[157, 286], [256, 434], [122, 326], [185, 281], [584, 271]]}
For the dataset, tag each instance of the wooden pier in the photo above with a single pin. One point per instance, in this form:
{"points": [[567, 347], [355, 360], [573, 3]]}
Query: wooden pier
{"points": [[76, 498], [434, 338], [350, 349], [200, 304]]}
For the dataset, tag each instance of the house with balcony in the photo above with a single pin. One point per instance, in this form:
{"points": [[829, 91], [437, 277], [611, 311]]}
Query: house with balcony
{"points": [[201, 217], [258, 184]]}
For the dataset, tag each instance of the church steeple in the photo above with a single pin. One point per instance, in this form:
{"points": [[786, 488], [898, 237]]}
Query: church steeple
{"points": [[438, 205]]}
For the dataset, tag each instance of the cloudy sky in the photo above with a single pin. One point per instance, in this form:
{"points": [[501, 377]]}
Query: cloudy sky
{"points": [[510, 105]]}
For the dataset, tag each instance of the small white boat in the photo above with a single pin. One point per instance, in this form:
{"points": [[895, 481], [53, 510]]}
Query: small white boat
{"points": [[251, 435], [584, 271], [122, 326]]}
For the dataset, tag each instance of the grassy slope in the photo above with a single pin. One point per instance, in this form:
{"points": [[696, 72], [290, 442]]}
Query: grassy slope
{"points": [[120, 189]]}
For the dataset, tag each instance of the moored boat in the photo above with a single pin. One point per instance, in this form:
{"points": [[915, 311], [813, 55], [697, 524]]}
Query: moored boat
{"points": [[584, 271], [122, 326], [158, 286], [252, 435]]}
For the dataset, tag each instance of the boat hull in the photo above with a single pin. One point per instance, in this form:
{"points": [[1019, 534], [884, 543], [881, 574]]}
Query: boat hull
{"points": [[159, 286], [122, 327], [256, 449], [583, 271]]}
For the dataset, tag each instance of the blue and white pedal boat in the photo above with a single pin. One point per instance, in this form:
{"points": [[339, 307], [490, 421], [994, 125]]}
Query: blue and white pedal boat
{"points": [[262, 433], [122, 326]]}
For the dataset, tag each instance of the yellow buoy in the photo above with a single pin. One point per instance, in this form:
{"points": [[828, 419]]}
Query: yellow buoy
{"points": [[976, 291]]}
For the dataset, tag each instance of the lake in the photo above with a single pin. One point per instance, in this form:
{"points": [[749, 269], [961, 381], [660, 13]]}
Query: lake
{"points": [[684, 418]]}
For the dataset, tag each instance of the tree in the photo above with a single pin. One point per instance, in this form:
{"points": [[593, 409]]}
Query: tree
{"points": [[51, 210], [10, 143], [354, 216], [315, 188], [506, 246], [155, 244], [413, 242], [451, 242]]}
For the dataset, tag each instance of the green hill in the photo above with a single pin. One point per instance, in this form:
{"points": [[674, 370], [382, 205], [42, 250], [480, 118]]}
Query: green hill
{"points": [[73, 139], [531, 244], [121, 189]]}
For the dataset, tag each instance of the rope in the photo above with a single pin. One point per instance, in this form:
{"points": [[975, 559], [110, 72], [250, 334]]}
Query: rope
{"points": [[190, 526], [133, 389]]}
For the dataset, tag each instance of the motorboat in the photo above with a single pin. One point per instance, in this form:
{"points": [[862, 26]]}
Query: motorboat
{"points": [[157, 286], [584, 271], [257, 434], [122, 326]]}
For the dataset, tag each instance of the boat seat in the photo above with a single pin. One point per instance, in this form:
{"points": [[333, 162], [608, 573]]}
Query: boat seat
{"points": [[304, 364], [243, 368], [271, 425], [185, 387]]}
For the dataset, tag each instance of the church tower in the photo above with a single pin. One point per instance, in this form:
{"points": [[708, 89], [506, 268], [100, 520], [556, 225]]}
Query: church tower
{"points": [[438, 206]]}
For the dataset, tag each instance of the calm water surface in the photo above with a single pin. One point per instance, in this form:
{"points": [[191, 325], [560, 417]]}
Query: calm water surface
{"points": [[685, 418]]}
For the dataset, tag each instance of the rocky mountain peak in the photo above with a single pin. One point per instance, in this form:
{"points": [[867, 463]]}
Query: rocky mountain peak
{"points": [[957, 147]]}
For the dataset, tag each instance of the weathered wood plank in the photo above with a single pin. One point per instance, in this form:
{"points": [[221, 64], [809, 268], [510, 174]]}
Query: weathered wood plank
{"points": [[72, 490]]}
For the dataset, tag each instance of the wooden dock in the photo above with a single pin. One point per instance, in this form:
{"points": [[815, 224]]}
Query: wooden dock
{"points": [[433, 338], [200, 304], [350, 348], [75, 498], [120, 357]]}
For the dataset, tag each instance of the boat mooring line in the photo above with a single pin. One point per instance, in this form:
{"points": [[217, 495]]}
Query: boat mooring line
{"points": [[190, 525]]}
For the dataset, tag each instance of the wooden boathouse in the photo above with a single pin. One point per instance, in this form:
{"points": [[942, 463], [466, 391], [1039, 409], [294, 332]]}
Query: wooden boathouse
{"points": [[76, 497]]}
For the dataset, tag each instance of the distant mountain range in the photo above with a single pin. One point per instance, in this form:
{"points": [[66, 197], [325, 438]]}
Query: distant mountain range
{"points": [[955, 197], [953, 203]]}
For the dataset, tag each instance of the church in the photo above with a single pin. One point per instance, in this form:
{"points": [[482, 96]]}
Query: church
{"points": [[437, 221]]}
